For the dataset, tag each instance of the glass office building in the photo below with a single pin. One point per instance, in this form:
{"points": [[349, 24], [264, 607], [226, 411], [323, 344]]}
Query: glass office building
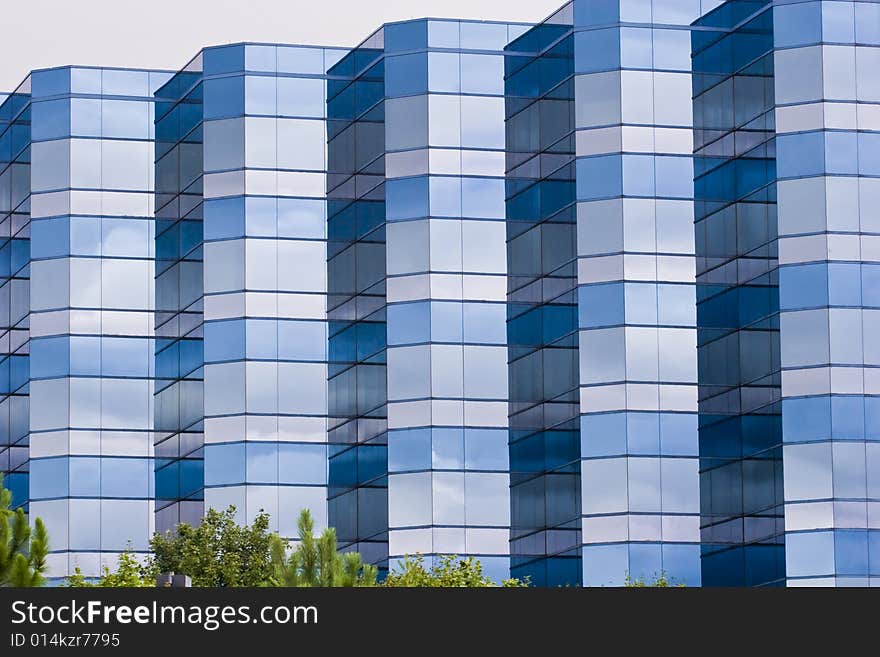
{"points": [[78, 294], [787, 150], [417, 278], [592, 298], [241, 353]]}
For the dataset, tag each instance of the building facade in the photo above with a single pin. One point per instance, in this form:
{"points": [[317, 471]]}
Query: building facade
{"points": [[588, 299], [78, 215]]}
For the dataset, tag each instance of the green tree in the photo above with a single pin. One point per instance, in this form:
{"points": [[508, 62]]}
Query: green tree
{"points": [[22, 552], [661, 580], [315, 561], [450, 571], [218, 552], [129, 573]]}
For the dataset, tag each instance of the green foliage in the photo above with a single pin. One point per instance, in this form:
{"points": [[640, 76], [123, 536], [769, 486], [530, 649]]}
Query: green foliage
{"points": [[128, 574], [660, 581], [22, 552], [451, 571], [316, 561], [218, 552]]}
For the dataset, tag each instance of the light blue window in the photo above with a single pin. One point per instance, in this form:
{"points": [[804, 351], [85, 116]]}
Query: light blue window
{"points": [[409, 35], [409, 323], [597, 12], [599, 177], [597, 50], [85, 477], [672, 50], [486, 449], [482, 74], [50, 238], [406, 75], [224, 59], [50, 119], [806, 419], [676, 305], [838, 22], [125, 477], [262, 339], [482, 198], [447, 449], [85, 117], [842, 153], [407, 198], [446, 321], [49, 478], [637, 48], [225, 217], [126, 356], [605, 565], [603, 434], [259, 58], [51, 82], [444, 71], [300, 60], [803, 286], [50, 357], [485, 323], [809, 553], [867, 22], [871, 285], [643, 433], [224, 97], [117, 82], [847, 417], [602, 305], [85, 355], [801, 154], [224, 340], [638, 175], [797, 24], [683, 561], [224, 464], [851, 552], [844, 284], [260, 95], [445, 196], [679, 434], [645, 559], [305, 218], [301, 97], [262, 463], [302, 340], [126, 119], [674, 176], [869, 153], [409, 450], [261, 216], [302, 464], [85, 80]]}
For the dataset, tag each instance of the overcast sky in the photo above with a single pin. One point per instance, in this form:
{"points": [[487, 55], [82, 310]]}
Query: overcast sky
{"points": [[167, 33]]}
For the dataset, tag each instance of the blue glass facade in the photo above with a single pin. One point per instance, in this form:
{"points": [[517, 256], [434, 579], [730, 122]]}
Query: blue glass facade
{"points": [[545, 486], [827, 164], [738, 297], [241, 279], [417, 280], [15, 289], [586, 299], [80, 372]]}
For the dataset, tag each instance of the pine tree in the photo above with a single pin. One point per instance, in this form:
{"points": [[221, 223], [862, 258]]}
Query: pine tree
{"points": [[316, 561], [22, 552]]}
